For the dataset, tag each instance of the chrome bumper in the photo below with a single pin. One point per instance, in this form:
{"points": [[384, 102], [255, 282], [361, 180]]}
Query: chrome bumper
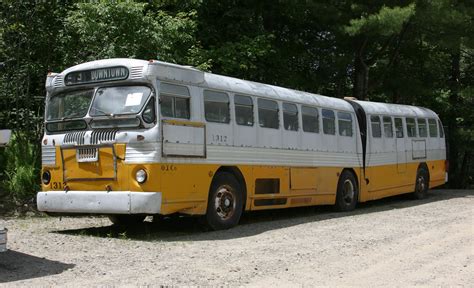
{"points": [[99, 202]]}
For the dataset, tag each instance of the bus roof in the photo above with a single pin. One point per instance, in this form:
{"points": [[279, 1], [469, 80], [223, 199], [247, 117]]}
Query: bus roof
{"points": [[377, 108], [239, 86]]}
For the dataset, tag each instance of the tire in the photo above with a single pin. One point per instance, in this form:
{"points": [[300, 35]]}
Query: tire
{"points": [[421, 183], [347, 192], [225, 203], [126, 220]]}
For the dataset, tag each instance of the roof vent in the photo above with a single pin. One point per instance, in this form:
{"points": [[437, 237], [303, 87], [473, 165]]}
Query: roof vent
{"points": [[58, 81], [136, 72]]}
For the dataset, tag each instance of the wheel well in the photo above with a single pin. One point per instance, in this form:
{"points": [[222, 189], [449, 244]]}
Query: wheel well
{"points": [[423, 165], [240, 178], [350, 170]]}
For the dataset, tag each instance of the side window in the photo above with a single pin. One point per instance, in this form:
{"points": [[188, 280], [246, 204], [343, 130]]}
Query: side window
{"points": [[375, 124], [290, 116], [387, 126], [433, 128], [422, 132], [399, 127], [411, 127], [441, 131], [174, 101], [243, 110], [329, 122], [216, 106], [344, 121], [310, 119], [268, 114]]}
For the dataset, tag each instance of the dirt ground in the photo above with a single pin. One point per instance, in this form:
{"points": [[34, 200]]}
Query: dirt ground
{"points": [[392, 242]]}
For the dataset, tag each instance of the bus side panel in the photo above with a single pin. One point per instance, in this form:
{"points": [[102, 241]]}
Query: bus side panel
{"points": [[185, 187]]}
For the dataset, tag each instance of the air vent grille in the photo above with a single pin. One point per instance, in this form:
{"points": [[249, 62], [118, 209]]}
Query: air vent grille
{"points": [[87, 154], [76, 138], [58, 81], [103, 136], [136, 72]]}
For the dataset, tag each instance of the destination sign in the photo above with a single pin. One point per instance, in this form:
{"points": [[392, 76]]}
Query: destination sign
{"points": [[96, 75]]}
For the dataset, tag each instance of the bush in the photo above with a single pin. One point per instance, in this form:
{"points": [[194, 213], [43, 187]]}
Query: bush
{"points": [[21, 179]]}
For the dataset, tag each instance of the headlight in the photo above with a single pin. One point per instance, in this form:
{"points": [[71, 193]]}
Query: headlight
{"points": [[141, 176], [46, 177]]}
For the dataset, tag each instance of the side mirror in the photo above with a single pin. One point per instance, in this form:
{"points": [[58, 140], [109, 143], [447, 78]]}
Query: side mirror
{"points": [[5, 137]]}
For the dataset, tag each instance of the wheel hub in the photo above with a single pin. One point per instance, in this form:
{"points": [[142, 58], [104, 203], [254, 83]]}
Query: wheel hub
{"points": [[225, 202], [348, 192]]}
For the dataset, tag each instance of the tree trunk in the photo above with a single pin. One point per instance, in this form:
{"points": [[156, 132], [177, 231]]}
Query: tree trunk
{"points": [[361, 71], [453, 138]]}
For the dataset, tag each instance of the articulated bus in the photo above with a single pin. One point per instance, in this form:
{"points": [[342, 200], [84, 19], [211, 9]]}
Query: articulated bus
{"points": [[130, 138]]}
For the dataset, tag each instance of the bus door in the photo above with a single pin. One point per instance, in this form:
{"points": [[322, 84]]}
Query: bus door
{"points": [[401, 146]]}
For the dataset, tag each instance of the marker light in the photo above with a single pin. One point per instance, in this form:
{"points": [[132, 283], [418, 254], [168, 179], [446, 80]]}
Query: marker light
{"points": [[141, 176]]}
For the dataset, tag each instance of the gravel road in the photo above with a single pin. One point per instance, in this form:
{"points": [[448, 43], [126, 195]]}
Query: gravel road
{"points": [[392, 242]]}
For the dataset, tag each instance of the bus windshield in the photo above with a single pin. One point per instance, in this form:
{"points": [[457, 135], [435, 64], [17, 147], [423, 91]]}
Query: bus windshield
{"points": [[69, 105], [119, 100]]}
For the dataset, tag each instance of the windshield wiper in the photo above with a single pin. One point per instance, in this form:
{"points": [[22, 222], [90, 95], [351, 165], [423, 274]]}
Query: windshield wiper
{"points": [[103, 112]]}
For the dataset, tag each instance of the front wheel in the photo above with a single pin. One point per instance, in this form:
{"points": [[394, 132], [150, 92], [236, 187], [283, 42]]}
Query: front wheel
{"points": [[347, 192], [225, 204]]}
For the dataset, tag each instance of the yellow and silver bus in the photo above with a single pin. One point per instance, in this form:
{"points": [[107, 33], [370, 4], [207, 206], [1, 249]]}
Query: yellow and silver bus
{"points": [[129, 138]]}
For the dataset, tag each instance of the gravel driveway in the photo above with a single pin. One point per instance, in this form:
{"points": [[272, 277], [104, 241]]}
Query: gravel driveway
{"points": [[394, 242]]}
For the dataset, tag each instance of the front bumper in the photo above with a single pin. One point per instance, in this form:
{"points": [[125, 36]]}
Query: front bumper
{"points": [[99, 202]]}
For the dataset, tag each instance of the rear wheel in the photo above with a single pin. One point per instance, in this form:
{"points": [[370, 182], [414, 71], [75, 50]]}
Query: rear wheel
{"points": [[347, 192], [225, 204], [126, 220], [421, 184]]}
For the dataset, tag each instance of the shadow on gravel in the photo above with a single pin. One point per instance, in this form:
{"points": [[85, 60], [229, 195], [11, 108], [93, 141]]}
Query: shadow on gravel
{"points": [[16, 266], [183, 228]]}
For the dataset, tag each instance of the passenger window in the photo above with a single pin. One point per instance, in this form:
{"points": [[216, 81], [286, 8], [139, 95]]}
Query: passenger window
{"points": [[433, 127], [216, 106], [422, 127], [345, 123], [387, 127], [290, 117], [399, 127], [441, 131], [268, 114], [411, 127], [243, 110], [174, 101], [329, 122], [375, 124], [310, 119]]}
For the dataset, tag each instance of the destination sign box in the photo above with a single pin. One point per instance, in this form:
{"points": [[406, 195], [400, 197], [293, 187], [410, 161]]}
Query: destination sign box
{"points": [[96, 75]]}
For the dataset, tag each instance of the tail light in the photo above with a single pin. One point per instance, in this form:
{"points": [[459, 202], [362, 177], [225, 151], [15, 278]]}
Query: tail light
{"points": [[446, 165]]}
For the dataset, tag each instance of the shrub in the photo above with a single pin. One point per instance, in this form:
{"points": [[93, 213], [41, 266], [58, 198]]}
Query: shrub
{"points": [[22, 168]]}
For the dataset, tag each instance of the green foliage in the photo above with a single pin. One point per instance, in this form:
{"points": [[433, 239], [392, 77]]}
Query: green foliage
{"points": [[22, 169], [387, 21], [127, 29]]}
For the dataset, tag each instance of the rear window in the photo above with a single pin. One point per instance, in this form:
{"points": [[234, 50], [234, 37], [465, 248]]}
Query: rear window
{"points": [[433, 127], [422, 127], [411, 127], [375, 125]]}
